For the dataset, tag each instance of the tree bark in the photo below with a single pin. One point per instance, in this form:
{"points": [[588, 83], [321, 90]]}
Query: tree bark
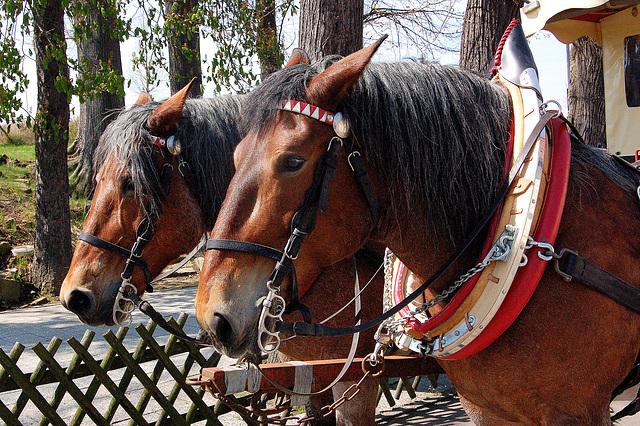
{"points": [[586, 91], [97, 111], [269, 51], [484, 23], [329, 27], [52, 249], [184, 46]]}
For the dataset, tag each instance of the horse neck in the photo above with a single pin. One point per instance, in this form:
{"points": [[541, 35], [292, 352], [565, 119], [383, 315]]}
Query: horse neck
{"points": [[421, 247]]}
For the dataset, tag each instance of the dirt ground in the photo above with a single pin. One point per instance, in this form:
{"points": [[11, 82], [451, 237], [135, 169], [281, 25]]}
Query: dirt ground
{"points": [[180, 280]]}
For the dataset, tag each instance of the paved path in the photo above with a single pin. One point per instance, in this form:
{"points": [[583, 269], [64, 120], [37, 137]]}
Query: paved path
{"points": [[39, 324]]}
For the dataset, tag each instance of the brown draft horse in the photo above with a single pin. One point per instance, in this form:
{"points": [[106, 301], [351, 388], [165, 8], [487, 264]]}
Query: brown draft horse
{"points": [[433, 141], [128, 182]]}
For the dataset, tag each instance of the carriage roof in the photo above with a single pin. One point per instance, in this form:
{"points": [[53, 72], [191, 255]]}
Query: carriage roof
{"points": [[615, 25]]}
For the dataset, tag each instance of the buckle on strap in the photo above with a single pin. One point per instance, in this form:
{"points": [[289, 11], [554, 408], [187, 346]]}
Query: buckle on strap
{"points": [[547, 253]]}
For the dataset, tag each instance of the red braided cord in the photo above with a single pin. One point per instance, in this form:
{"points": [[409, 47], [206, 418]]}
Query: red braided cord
{"points": [[498, 58]]}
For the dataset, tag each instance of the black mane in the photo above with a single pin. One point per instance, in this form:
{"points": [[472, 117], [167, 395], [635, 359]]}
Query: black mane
{"points": [[437, 132], [208, 133]]}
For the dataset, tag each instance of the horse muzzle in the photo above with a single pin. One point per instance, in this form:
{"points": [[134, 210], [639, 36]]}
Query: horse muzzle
{"points": [[229, 337], [90, 309]]}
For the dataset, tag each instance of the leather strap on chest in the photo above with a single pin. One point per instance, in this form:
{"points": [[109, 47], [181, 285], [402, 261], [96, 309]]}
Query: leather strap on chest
{"points": [[573, 267]]}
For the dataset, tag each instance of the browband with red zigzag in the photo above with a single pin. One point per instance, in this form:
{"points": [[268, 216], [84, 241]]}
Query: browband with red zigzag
{"points": [[308, 110]]}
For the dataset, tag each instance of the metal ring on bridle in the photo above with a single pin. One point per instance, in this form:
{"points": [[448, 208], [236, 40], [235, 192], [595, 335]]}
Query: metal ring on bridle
{"points": [[374, 369], [126, 288], [173, 145]]}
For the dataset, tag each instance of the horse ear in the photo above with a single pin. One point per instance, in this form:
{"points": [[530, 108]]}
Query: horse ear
{"points": [[331, 86], [164, 119], [144, 98], [299, 56]]}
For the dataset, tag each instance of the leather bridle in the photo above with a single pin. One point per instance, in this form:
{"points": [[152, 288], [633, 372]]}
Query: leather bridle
{"points": [[144, 233], [304, 220], [127, 298], [124, 303]]}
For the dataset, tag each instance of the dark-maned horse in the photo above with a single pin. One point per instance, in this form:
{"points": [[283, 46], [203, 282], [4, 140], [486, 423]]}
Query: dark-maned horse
{"points": [[129, 187], [433, 141]]}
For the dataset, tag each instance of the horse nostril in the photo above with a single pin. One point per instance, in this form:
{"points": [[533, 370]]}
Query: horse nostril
{"points": [[79, 302], [221, 328]]}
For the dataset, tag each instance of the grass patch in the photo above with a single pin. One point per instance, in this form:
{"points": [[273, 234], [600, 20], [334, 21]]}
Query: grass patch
{"points": [[20, 134], [18, 152], [17, 187]]}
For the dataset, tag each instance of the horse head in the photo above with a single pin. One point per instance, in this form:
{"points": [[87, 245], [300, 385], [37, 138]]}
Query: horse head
{"points": [[276, 165], [133, 150]]}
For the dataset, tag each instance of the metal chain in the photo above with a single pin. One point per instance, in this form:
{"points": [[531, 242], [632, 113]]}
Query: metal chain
{"points": [[499, 251], [389, 260]]}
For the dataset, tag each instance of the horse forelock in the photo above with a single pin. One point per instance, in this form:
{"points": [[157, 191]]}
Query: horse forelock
{"points": [[123, 143], [208, 133], [437, 133]]}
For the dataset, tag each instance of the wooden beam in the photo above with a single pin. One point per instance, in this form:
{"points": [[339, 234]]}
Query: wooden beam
{"points": [[324, 371]]}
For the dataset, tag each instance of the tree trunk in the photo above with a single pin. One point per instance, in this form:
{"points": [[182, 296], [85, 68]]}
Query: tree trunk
{"points": [[329, 27], [586, 91], [484, 23], [97, 110], [184, 46], [269, 51], [53, 229]]}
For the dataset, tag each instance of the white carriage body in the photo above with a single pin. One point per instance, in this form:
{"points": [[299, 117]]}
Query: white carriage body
{"points": [[616, 26]]}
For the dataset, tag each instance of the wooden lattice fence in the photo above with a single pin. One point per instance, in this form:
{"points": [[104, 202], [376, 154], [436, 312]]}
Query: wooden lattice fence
{"points": [[138, 387], [141, 386]]}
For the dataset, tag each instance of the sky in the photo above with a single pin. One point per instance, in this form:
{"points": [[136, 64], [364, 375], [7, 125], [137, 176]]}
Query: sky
{"points": [[551, 58]]}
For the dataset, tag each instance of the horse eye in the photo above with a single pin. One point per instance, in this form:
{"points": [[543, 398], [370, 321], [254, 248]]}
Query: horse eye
{"points": [[127, 186], [292, 163]]}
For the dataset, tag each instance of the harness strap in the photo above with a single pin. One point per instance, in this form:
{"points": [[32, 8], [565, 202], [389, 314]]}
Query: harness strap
{"points": [[145, 231], [362, 176], [305, 329], [121, 251], [330, 165], [572, 266], [252, 248], [187, 258], [146, 308]]}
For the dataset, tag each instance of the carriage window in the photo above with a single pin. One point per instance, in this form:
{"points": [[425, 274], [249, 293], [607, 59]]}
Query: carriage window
{"points": [[632, 70]]}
